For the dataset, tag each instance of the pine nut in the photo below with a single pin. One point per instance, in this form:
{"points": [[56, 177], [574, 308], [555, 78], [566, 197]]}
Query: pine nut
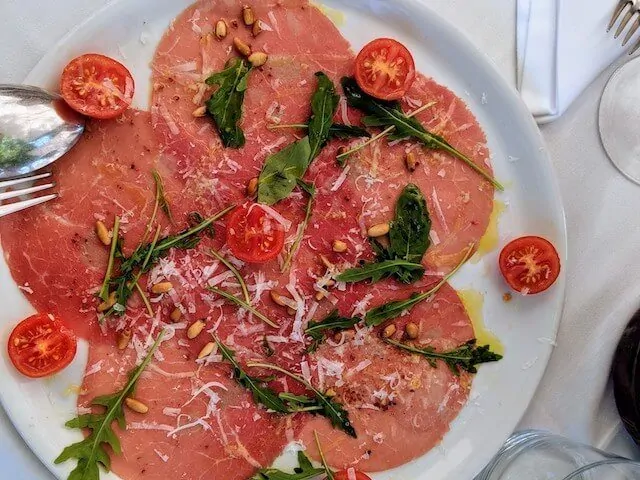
{"points": [[389, 330], [411, 161], [175, 315], [195, 329], [327, 263], [291, 311], [378, 230], [252, 186], [221, 29], [257, 28], [411, 330], [320, 296], [330, 283], [282, 300], [339, 246], [200, 111], [241, 47], [111, 301], [103, 233], [136, 405], [330, 393], [258, 59], [206, 350], [162, 287], [247, 15], [124, 337]]}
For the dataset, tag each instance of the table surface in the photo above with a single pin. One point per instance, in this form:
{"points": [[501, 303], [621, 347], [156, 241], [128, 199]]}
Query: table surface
{"points": [[575, 396]]}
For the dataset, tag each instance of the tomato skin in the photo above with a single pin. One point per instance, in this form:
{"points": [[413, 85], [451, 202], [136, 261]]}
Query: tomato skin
{"points": [[385, 69], [253, 236], [529, 264], [344, 475], [40, 346], [97, 86]]}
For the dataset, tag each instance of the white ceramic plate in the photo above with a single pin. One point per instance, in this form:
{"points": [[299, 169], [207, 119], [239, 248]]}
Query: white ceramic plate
{"points": [[129, 30]]}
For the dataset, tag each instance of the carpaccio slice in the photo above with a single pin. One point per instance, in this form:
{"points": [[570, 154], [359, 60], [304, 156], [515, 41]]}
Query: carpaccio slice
{"points": [[399, 405], [199, 420]]}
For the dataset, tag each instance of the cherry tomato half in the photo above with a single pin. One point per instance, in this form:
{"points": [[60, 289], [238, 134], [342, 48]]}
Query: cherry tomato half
{"points": [[530, 264], [344, 475], [385, 69], [97, 86], [253, 235], [40, 346]]}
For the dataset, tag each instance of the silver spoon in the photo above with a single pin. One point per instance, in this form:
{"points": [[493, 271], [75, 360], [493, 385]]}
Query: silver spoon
{"points": [[36, 128]]}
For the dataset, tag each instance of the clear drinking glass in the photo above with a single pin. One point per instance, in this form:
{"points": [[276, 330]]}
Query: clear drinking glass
{"points": [[537, 455]]}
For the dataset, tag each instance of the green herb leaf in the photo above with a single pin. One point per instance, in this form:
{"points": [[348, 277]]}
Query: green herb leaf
{"points": [[324, 105], [375, 271], [236, 273], [464, 358], [394, 309], [162, 199], [225, 105], [329, 408], [409, 233], [345, 132], [385, 114], [282, 170], [331, 323], [115, 246], [305, 471], [327, 470], [244, 305], [261, 393], [92, 452]]}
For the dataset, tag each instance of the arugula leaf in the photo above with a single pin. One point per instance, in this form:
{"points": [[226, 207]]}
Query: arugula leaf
{"points": [[160, 196], [305, 471], [225, 105], [345, 132], [282, 170], [261, 393], [236, 273], [325, 465], [409, 232], [408, 241], [377, 270], [324, 105], [115, 246], [385, 114], [244, 305], [329, 408], [145, 256], [92, 452], [464, 358], [332, 322], [394, 309]]}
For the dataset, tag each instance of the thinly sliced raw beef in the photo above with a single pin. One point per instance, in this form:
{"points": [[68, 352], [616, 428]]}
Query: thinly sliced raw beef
{"points": [[400, 406], [200, 424], [53, 249]]}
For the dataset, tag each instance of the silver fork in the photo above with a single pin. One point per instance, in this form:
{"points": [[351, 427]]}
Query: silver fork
{"points": [[30, 202], [630, 8]]}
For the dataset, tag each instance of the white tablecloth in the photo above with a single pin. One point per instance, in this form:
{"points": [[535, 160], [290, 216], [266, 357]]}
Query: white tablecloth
{"points": [[574, 398]]}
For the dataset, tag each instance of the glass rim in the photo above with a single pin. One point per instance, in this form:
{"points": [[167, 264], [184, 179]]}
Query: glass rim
{"points": [[608, 461]]}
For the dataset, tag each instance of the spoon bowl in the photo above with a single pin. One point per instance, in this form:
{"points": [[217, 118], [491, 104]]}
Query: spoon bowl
{"points": [[36, 128]]}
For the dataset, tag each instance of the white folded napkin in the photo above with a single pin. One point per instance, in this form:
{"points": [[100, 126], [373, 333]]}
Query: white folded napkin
{"points": [[562, 46]]}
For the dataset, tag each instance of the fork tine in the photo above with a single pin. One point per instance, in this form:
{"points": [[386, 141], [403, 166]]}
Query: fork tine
{"points": [[632, 30], [16, 207], [17, 181], [617, 12], [635, 48], [624, 22], [25, 191]]}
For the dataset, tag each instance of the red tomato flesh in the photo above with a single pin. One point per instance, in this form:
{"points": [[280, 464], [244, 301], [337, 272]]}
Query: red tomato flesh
{"points": [[40, 346], [97, 86], [253, 235], [385, 69], [529, 264], [344, 475]]}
